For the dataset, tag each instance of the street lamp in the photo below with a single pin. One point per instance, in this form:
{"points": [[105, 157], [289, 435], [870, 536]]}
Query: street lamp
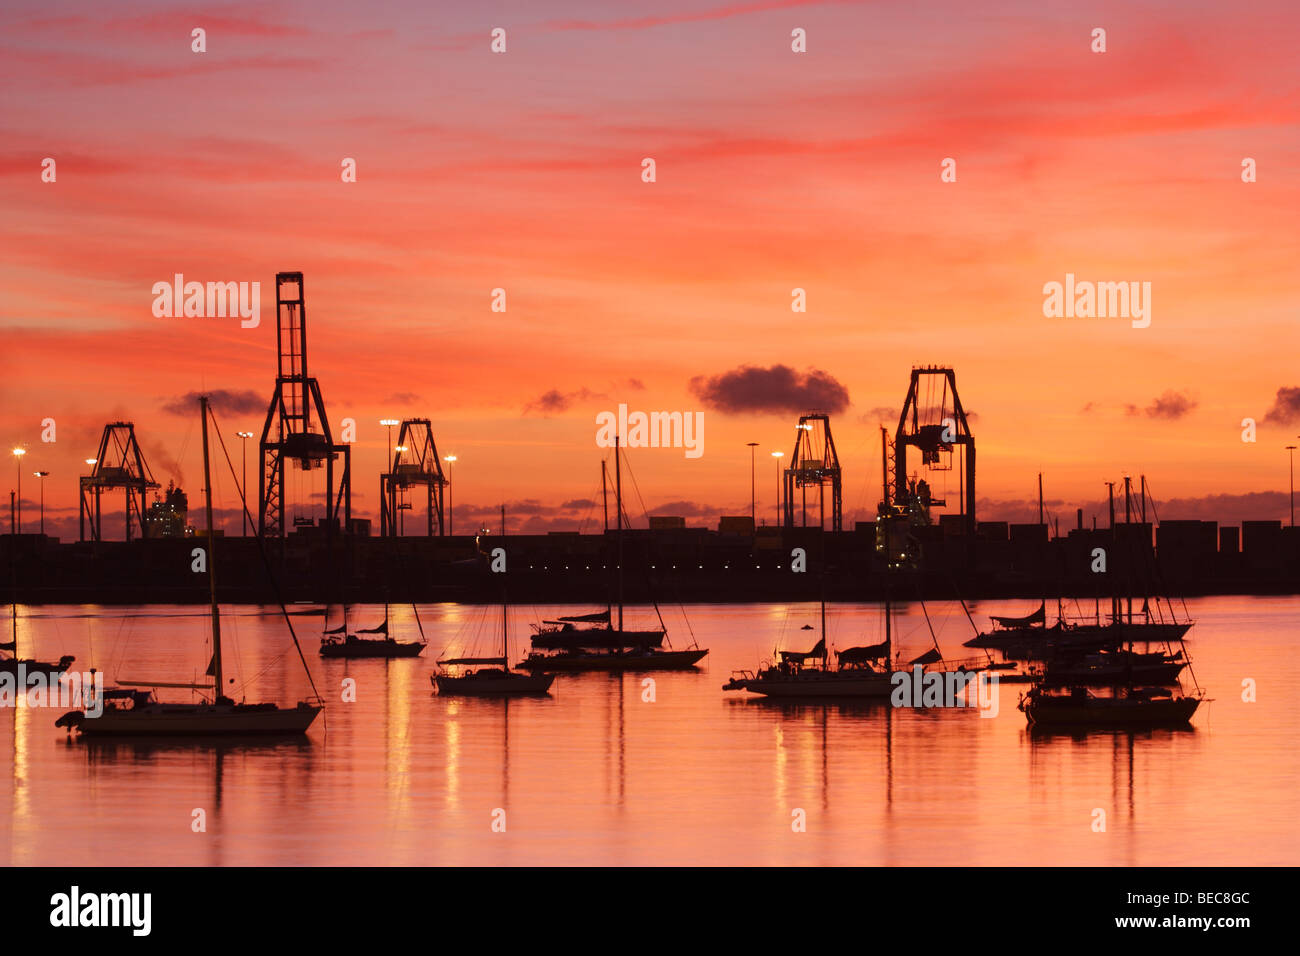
{"points": [[451, 497], [753, 519], [777, 455], [243, 494], [42, 475], [1291, 449], [18, 460], [389, 423]]}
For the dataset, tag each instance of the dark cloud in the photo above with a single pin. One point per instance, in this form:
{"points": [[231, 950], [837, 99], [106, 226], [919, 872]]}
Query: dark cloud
{"points": [[577, 504], [1286, 406], [1171, 406], [776, 389], [554, 401], [222, 400], [687, 509], [524, 506], [1131, 409], [880, 415], [636, 384], [401, 398]]}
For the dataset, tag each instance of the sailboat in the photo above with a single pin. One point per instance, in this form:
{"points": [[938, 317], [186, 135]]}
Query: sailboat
{"points": [[596, 652], [489, 676], [145, 715], [562, 632], [337, 642], [859, 672], [1125, 689], [1030, 637], [12, 664]]}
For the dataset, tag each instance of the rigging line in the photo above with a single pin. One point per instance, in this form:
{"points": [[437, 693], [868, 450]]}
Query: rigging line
{"points": [[931, 627], [266, 561]]}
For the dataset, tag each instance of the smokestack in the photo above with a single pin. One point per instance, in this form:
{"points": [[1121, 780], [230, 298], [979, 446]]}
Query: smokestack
{"points": [[1078, 517]]}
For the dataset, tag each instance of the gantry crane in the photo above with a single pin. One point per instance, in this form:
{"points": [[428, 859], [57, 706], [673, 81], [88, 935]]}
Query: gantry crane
{"points": [[814, 462], [415, 462], [119, 464], [291, 433], [935, 424]]}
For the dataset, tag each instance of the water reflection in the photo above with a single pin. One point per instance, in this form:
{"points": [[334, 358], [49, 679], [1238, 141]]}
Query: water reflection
{"points": [[598, 774]]}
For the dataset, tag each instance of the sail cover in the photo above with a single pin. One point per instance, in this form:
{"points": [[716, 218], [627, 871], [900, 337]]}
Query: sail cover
{"points": [[9, 646], [381, 629], [337, 630], [931, 656], [1038, 617], [500, 661], [598, 617], [794, 657], [860, 655]]}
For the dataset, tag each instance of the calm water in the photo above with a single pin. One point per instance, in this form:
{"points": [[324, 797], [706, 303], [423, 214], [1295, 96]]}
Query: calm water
{"points": [[597, 775]]}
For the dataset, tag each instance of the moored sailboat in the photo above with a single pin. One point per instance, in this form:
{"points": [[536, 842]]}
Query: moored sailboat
{"points": [[133, 713], [604, 649], [1116, 688], [489, 676], [859, 672], [339, 642]]}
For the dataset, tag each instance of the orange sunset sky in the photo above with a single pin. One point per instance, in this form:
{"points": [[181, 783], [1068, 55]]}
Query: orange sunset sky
{"points": [[775, 170]]}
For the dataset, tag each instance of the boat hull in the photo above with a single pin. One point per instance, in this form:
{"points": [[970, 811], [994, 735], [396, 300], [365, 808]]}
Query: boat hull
{"points": [[576, 663], [200, 720], [364, 648], [1163, 674], [595, 637], [10, 666], [493, 685], [1038, 643], [1105, 712], [829, 686]]}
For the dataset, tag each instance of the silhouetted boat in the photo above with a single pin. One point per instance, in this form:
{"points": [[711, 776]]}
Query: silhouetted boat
{"points": [[1116, 687], [605, 650], [132, 713], [1105, 668], [859, 672], [11, 664], [1041, 642], [561, 633], [1131, 707], [337, 642], [490, 676]]}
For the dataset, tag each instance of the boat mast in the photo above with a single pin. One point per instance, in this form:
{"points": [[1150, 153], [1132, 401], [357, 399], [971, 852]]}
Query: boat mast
{"points": [[212, 561], [604, 494], [618, 517], [505, 621], [887, 515], [1114, 592], [13, 586], [1128, 518]]}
